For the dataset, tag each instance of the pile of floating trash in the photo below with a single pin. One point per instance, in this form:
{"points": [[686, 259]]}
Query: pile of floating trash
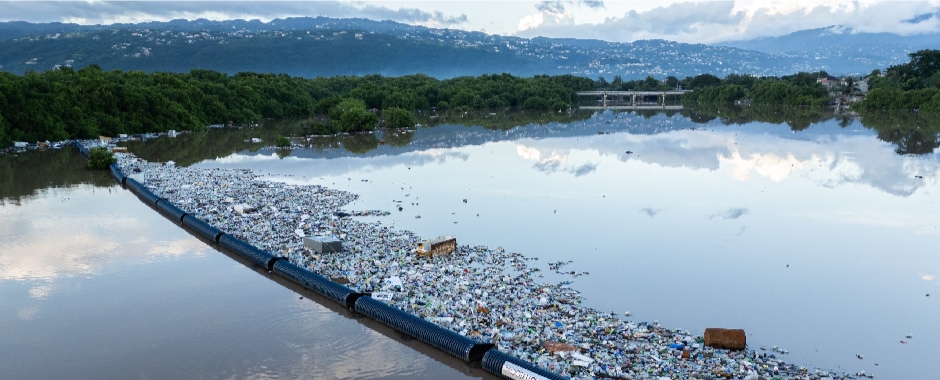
{"points": [[486, 294]]}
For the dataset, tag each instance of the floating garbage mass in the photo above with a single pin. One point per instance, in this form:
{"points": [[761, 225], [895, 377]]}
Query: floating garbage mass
{"points": [[477, 303]]}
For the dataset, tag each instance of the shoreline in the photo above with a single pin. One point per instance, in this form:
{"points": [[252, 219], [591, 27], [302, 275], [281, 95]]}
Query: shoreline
{"points": [[487, 294]]}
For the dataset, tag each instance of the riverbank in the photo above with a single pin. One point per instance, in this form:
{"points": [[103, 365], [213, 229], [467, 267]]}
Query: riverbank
{"points": [[488, 294]]}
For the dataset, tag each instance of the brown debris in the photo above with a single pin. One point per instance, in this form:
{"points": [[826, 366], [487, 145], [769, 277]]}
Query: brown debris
{"points": [[559, 347], [732, 339]]}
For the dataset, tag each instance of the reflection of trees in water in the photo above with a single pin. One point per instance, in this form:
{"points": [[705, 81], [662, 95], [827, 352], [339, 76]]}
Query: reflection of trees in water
{"points": [[797, 118], [360, 142], [504, 120], [23, 174], [912, 133], [844, 121], [191, 148], [647, 114], [398, 137]]}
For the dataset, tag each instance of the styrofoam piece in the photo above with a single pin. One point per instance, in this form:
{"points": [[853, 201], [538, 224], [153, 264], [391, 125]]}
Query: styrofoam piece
{"points": [[323, 244]]}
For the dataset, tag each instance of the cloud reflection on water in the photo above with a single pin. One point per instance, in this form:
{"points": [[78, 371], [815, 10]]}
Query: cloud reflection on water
{"points": [[56, 239]]}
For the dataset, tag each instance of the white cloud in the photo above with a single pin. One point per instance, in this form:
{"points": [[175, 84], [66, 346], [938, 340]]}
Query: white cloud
{"points": [[684, 21], [716, 21]]}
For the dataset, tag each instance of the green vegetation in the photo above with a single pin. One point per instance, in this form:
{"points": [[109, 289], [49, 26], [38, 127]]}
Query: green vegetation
{"points": [[5, 139], [100, 158], [797, 118], [911, 86], [283, 142], [922, 71], [398, 118], [63, 104], [800, 89], [910, 132]]}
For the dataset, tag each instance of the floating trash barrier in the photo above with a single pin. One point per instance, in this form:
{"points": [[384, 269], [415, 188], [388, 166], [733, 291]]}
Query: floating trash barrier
{"points": [[449, 341], [147, 196], [81, 149], [248, 251], [317, 283], [171, 211], [202, 228], [449, 301], [510, 367], [117, 174], [132, 185], [141, 192]]}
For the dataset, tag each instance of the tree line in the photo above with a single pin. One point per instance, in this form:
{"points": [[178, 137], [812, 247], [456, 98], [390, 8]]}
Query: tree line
{"points": [[914, 85], [85, 103], [800, 89], [67, 104]]}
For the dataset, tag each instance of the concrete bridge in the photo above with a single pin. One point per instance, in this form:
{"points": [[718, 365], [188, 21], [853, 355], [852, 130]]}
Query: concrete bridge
{"points": [[629, 98]]}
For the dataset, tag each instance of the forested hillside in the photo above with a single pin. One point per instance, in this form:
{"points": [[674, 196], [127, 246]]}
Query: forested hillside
{"points": [[311, 47]]}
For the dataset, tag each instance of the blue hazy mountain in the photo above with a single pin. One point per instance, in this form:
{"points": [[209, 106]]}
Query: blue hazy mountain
{"points": [[323, 46], [839, 49]]}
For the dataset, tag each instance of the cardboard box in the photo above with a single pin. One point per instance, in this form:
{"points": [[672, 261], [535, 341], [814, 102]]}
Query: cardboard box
{"points": [[441, 245]]}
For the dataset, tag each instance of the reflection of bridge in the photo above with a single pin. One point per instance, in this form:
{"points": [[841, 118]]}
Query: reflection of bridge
{"points": [[664, 107], [620, 98]]}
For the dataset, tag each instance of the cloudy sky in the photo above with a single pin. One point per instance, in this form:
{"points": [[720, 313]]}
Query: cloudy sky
{"points": [[613, 20]]}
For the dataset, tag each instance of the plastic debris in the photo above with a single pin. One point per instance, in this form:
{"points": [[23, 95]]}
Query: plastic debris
{"points": [[486, 293]]}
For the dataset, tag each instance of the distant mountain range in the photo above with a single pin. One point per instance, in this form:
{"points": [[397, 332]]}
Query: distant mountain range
{"points": [[321, 46]]}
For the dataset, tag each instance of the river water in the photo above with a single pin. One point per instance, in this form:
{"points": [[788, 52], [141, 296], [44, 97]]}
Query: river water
{"points": [[819, 241], [96, 285]]}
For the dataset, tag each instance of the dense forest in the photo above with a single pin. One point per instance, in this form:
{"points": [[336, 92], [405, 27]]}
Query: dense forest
{"points": [[63, 104], [801, 89], [66, 104], [911, 86]]}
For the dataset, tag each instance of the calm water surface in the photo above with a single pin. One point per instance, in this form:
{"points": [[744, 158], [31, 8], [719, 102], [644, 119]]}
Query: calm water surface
{"points": [[95, 285], [821, 242]]}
